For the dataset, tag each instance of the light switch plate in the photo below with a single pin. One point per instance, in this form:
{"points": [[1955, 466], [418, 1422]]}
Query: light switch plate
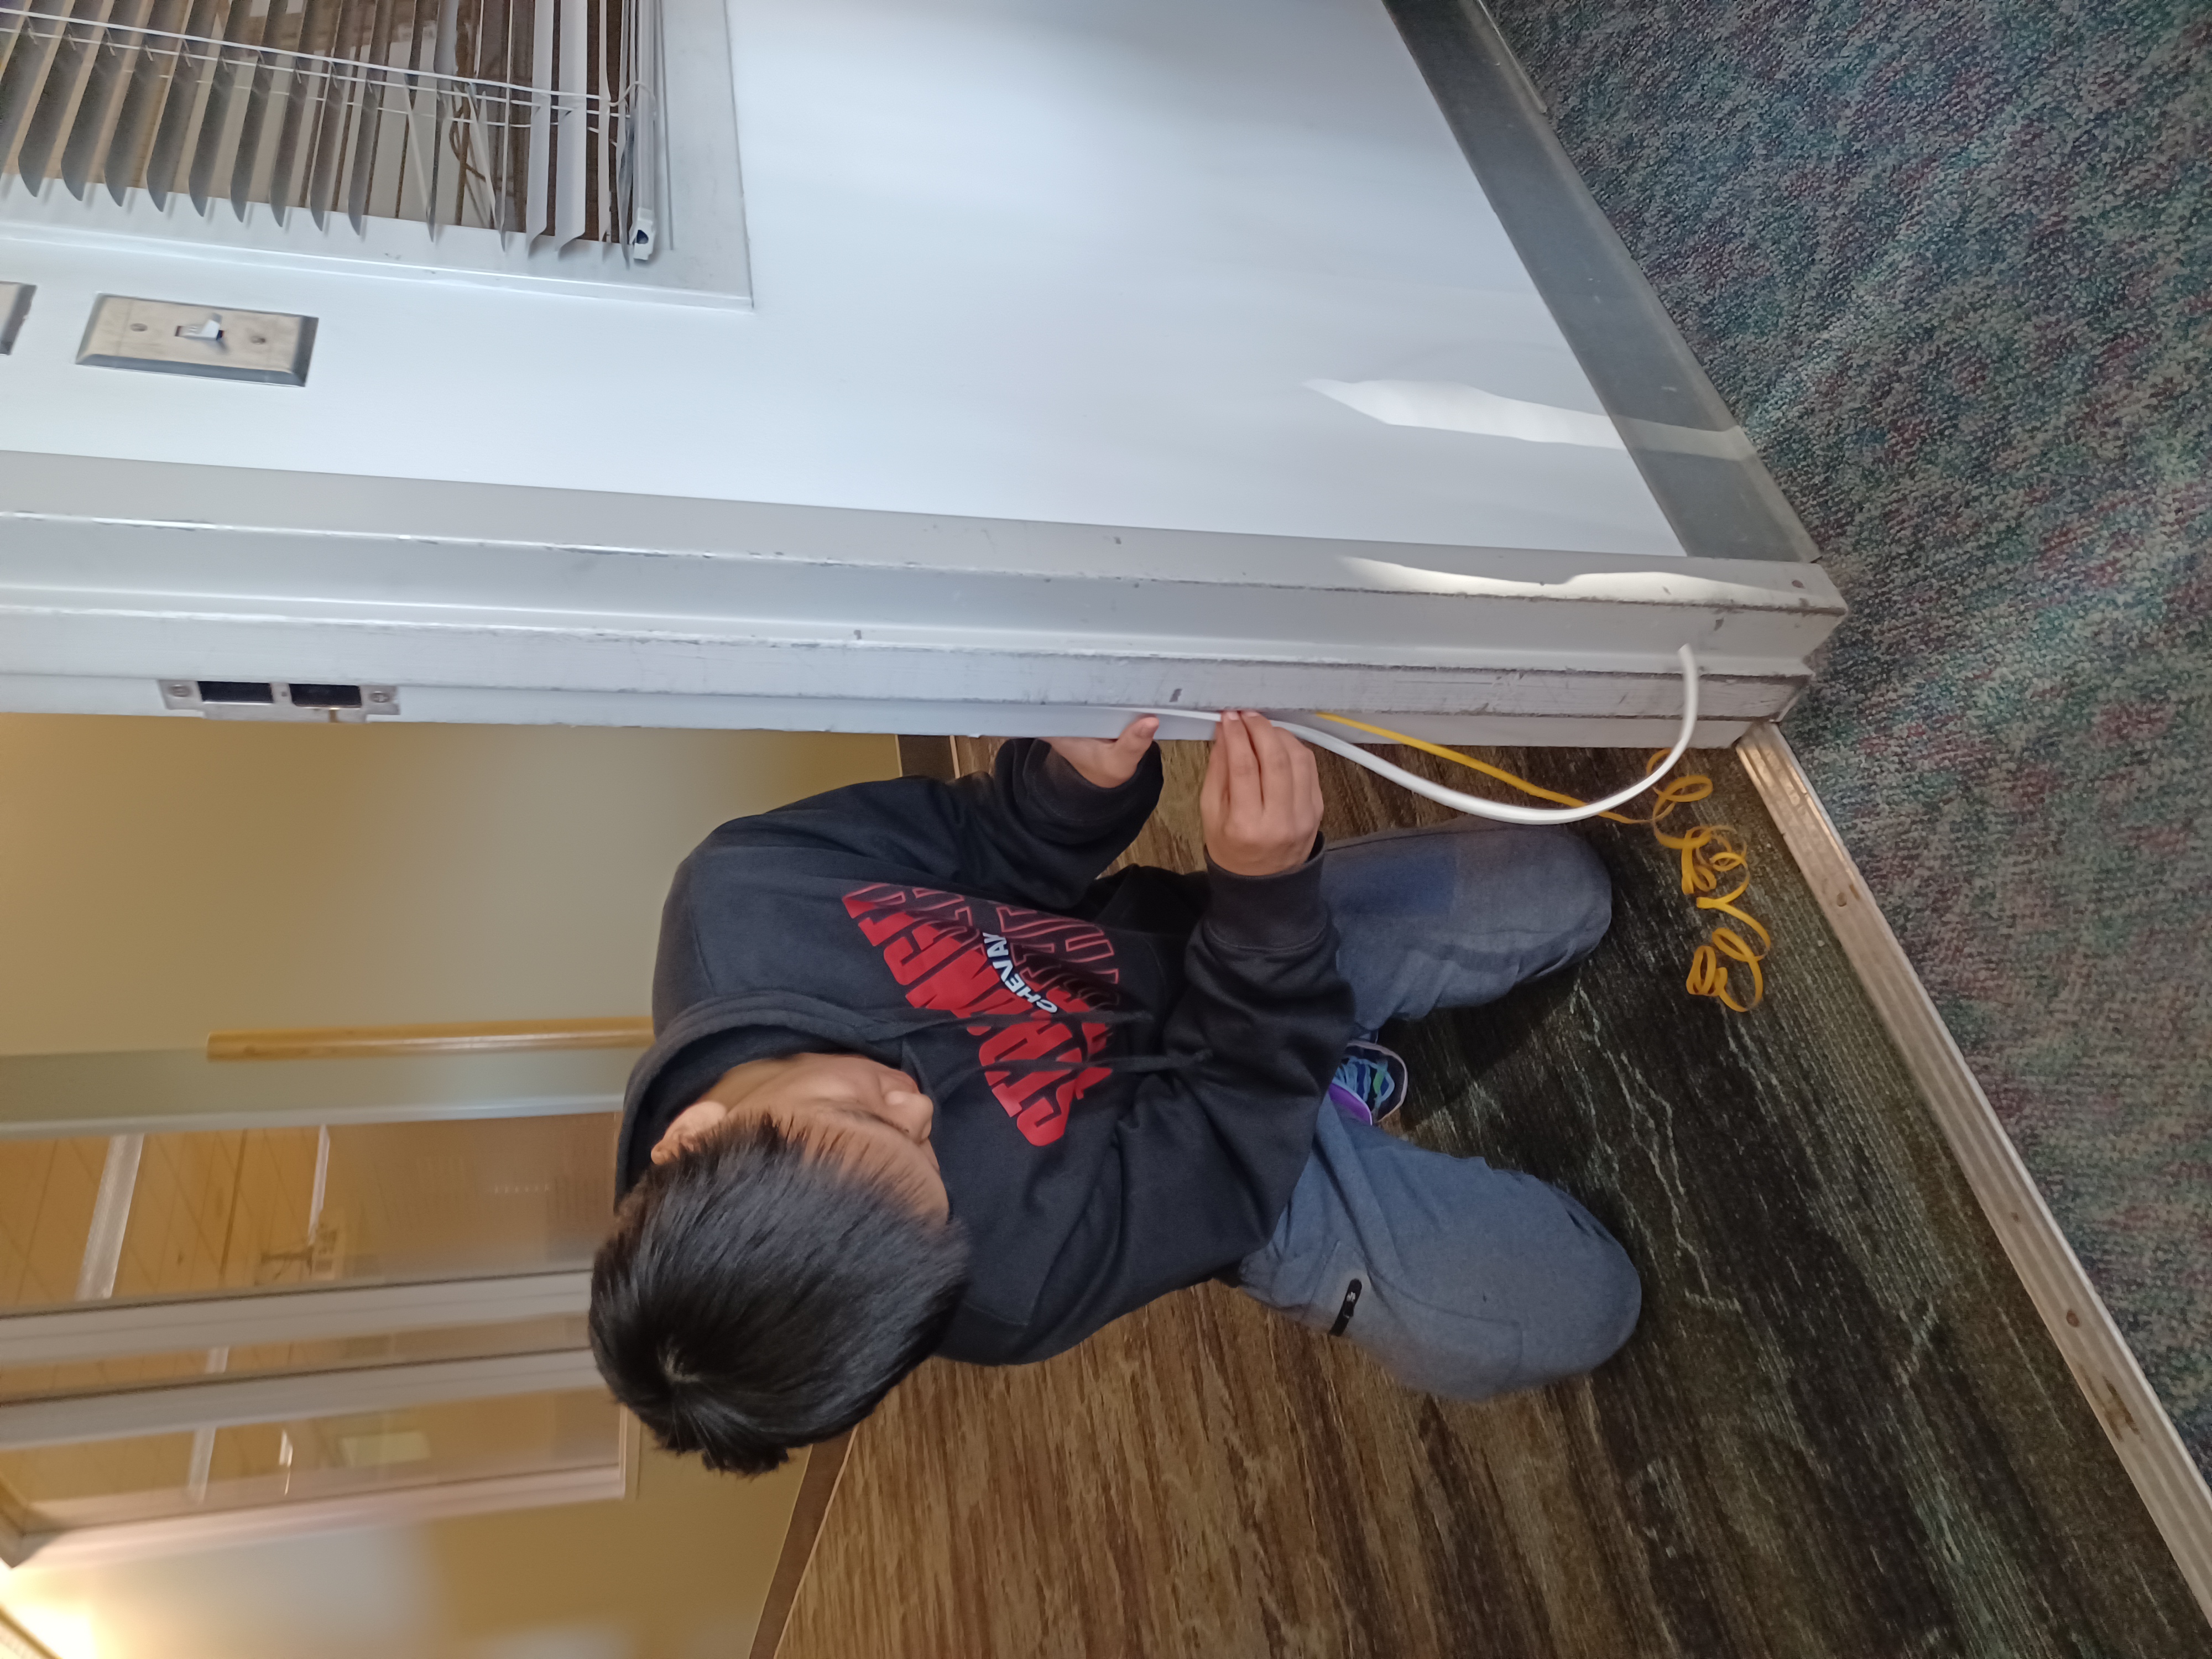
{"points": [[14, 305], [166, 338]]}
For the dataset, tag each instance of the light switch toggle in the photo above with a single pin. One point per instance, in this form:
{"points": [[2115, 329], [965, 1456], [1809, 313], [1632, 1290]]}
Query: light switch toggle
{"points": [[210, 329]]}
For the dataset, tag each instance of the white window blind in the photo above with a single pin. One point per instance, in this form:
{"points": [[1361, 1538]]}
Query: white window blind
{"points": [[540, 120]]}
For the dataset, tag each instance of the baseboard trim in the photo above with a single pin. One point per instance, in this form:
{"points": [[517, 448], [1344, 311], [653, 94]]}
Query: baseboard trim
{"points": [[2149, 1448]]}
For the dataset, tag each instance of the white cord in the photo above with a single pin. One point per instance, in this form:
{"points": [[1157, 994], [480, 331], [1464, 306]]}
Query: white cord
{"points": [[1504, 810]]}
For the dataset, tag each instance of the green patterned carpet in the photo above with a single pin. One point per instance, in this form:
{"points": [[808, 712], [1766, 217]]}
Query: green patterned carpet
{"points": [[1951, 263]]}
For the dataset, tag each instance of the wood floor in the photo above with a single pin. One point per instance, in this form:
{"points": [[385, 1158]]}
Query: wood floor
{"points": [[1839, 1429]]}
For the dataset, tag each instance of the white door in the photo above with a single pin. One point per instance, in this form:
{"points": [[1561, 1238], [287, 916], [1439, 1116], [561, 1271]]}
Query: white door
{"points": [[1099, 353], [216, 1333]]}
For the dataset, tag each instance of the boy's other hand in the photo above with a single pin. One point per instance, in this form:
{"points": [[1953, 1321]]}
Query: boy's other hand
{"points": [[1109, 763], [1261, 801]]}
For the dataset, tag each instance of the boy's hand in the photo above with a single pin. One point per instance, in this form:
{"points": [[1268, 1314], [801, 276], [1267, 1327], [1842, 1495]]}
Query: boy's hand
{"points": [[1109, 763], [1261, 801]]}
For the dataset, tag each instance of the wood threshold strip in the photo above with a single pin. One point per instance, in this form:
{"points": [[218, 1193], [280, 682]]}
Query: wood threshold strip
{"points": [[503, 1036], [2149, 1448], [825, 1466]]}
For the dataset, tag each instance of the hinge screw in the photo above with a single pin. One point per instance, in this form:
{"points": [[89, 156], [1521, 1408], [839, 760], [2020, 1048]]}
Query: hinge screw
{"points": [[380, 697]]}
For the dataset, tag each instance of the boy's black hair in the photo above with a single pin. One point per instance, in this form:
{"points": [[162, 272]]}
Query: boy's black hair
{"points": [[757, 1295]]}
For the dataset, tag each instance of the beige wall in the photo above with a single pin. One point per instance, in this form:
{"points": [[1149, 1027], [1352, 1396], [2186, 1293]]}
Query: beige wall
{"points": [[163, 878], [680, 1572], [159, 879]]}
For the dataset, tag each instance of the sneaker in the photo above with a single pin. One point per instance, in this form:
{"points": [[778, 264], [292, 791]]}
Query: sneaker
{"points": [[1370, 1082]]}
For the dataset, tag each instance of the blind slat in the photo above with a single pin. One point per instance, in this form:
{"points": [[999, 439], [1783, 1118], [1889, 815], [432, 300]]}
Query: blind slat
{"points": [[226, 102], [12, 19], [92, 136], [24, 81], [425, 173], [185, 101], [448, 170], [514, 113], [575, 86], [70, 74], [366, 118], [253, 167], [328, 114], [537, 159], [152, 71], [289, 97]]}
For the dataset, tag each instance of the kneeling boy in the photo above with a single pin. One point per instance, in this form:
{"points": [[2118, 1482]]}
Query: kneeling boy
{"points": [[924, 1084]]}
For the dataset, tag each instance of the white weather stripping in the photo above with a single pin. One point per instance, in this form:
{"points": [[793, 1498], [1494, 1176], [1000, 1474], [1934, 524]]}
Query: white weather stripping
{"points": [[1475, 805]]}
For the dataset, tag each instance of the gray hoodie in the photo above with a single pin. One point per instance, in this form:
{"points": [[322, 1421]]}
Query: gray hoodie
{"points": [[1127, 1072]]}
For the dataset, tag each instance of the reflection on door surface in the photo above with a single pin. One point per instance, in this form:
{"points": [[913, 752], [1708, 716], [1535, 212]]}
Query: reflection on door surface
{"points": [[217, 1334]]}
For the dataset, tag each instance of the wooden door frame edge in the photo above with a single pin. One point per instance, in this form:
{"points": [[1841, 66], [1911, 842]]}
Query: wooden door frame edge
{"points": [[825, 1466], [2143, 1437]]}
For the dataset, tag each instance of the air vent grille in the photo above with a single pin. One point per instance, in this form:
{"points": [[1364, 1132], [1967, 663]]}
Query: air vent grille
{"points": [[537, 119]]}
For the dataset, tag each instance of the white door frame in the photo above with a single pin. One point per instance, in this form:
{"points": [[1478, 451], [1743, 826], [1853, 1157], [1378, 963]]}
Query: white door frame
{"points": [[227, 1403], [406, 1506], [180, 1090], [47, 1095], [92, 1331], [494, 603]]}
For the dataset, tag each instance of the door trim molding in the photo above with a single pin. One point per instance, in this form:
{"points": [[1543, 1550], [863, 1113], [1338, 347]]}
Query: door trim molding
{"points": [[230, 1401], [111, 1330], [130, 1540], [825, 1468], [2143, 1437], [180, 1090], [475, 1036]]}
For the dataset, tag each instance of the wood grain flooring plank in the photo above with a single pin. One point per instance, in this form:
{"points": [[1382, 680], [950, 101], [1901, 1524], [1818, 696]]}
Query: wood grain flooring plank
{"points": [[1839, 1430]]}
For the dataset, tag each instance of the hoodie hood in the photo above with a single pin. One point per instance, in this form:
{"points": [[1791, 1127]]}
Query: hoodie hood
{"points": [[709, 1037]]}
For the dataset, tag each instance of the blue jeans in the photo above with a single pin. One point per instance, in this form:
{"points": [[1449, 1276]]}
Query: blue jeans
{"points": [[1462, 1280]]}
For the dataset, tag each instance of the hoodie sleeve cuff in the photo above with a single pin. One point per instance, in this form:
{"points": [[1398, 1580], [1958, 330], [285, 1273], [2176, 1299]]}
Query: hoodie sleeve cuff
{"points": [[1283, 912], [1057, 794]]}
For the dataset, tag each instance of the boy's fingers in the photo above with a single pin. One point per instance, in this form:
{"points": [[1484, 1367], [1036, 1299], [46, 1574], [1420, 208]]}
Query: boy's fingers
{"points": [[1137, 736], [1241, 764], [1292, 783], [1274, 747], [1212, 793], [1309, 784]]}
